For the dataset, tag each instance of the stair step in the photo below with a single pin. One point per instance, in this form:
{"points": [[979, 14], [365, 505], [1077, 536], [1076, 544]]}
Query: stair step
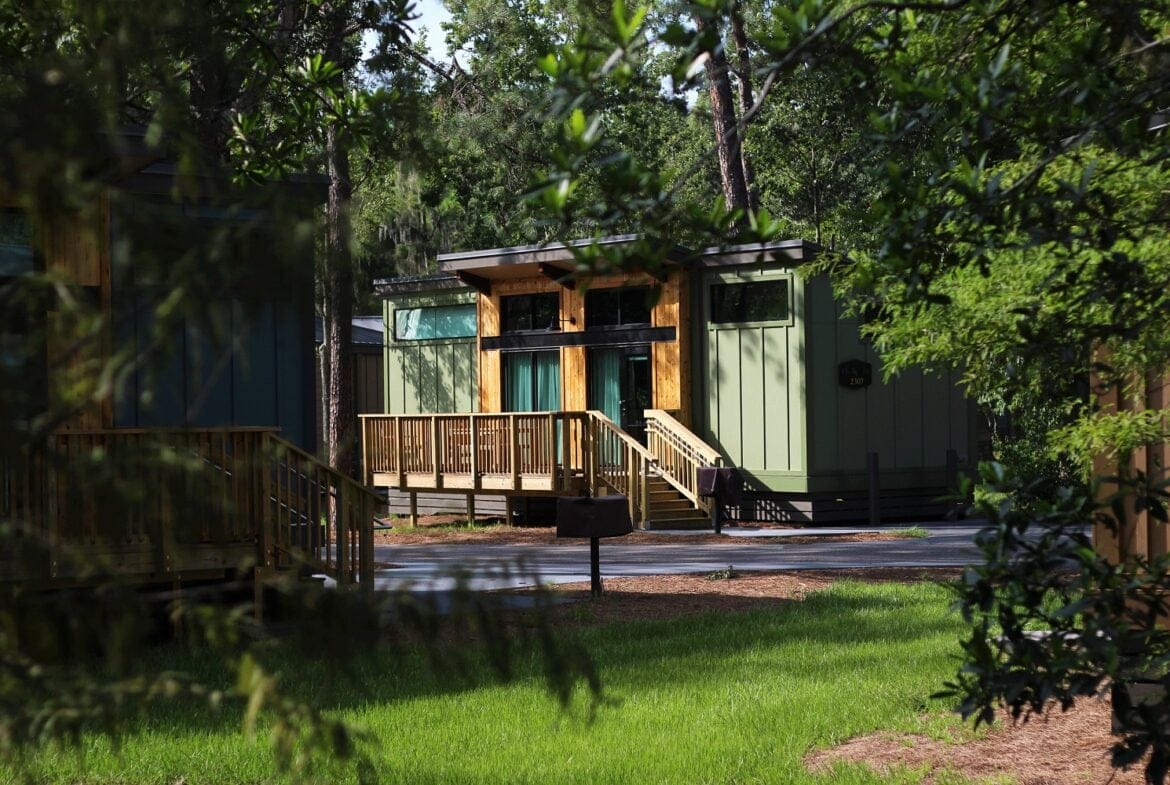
{"points": [[679, 523], [672, 505]]}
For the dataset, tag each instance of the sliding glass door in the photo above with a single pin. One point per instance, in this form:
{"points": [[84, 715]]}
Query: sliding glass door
{"points": [[620, 385]]}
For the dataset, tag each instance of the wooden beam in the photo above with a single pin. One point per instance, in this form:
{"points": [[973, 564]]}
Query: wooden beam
{"points": [[476, 282], [560, 275]]}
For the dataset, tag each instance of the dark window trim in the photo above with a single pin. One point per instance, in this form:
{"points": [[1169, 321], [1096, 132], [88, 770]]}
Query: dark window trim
{"points": [[788, 320], [610, 290], [394, 338], [558, 320], [545, 340]]}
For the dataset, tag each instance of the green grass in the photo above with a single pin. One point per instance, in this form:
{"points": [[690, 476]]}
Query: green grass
{"points": [[911, 533], [722, 698]]}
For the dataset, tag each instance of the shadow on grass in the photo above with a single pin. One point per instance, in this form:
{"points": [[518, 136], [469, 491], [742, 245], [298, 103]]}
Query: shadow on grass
{"points": [[850, 628]]}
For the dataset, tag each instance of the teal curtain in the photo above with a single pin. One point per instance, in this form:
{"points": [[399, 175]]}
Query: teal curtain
{"points": [[605, 382], [518, 382], [547, 370], [532, 381]]}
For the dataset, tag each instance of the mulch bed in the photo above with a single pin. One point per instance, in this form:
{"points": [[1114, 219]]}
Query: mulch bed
{"points": [[430, 531]]}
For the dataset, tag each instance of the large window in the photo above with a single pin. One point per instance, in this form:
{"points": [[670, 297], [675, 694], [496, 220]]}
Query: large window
{"points": [[619, 307], [527, 312], [16, 256], [751, 301], [445, 321]]}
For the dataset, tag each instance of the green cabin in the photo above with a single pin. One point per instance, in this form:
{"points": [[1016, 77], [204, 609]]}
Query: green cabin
{"points": [[729, 356]]}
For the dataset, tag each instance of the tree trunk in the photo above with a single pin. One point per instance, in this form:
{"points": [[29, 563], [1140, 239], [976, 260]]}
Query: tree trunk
{"points": [[726, 138], [338, 294], [746, 99]]}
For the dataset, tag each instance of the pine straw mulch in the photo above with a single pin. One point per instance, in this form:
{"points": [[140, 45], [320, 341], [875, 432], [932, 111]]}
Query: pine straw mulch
{"points": [[671, 596], [1057, 749], [1060, 748], [435, 529]]}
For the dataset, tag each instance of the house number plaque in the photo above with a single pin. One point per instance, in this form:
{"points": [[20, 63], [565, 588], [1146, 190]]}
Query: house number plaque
{"points": [[855, 374]]}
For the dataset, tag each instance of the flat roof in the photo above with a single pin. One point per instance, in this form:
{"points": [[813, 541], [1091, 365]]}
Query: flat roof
{"points": [[413, 284], [522, 261]]}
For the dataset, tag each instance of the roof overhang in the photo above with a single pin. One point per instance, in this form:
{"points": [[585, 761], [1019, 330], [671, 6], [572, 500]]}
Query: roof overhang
{"points": [[789, 252], [556, 261], [418, 284]]}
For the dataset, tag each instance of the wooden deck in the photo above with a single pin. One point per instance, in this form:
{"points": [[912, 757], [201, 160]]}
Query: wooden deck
{"points": [[149, 506], [532, 453]]}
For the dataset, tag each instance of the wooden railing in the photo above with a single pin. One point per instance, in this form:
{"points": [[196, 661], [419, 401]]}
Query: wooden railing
{"points": [[544, 450], [164, 505], [619, 462], [679, 453], [540, 452], [316, 516]]}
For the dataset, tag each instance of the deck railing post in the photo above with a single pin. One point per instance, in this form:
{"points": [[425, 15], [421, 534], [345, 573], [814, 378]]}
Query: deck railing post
{"points": [[566, 459], [551, 441], [435, 452], [343, 565], [513, 452], [644, 490], [400, 465], [471, 424], [630, 494]]}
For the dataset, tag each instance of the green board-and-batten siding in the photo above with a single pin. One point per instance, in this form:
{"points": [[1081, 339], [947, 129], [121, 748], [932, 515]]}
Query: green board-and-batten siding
{"points": [[774, 407], [434, 375], [754, 379], [910, 421]]}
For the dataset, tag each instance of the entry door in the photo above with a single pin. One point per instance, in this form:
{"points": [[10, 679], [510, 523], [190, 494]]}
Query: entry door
{"points": [[620, 385]]}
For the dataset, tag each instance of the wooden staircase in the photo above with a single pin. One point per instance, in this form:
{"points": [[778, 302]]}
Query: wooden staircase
{"points": [[669, 509]]}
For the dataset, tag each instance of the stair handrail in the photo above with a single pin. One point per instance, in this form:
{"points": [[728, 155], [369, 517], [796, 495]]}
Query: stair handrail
{"points": [[345, 551], [629, 475], [678, 453]]}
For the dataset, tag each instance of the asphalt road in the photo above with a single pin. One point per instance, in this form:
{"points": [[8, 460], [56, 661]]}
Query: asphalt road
{"points": [[431, 567]]}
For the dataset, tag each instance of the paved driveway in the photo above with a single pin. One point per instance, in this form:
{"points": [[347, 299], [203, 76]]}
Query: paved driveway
{"points": [[430, 567]]}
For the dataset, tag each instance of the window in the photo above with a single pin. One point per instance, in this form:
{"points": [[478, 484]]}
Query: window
{"points": [[16, 256], [445, 321], [754, 301], [527, 312], [617, 307]]}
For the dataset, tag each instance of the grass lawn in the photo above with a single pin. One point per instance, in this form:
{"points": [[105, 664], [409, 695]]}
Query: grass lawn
{"points": [[720, 698]]}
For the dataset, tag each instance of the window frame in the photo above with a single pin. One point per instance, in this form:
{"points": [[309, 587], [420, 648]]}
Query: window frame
{"points": [[619, 291], [740, 279], [403, 308], [555, 325]]}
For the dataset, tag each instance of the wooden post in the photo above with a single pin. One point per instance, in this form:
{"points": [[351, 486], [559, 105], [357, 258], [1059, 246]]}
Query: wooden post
{"points": [[552, 450], [435, 451], [875, 494], [589, 444], [344, 568], [513, 452], [474, 451], [566, 463], [644, 490], [366, 478], [398, 452], [631, 484], [413, 509], [471, 509]]}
